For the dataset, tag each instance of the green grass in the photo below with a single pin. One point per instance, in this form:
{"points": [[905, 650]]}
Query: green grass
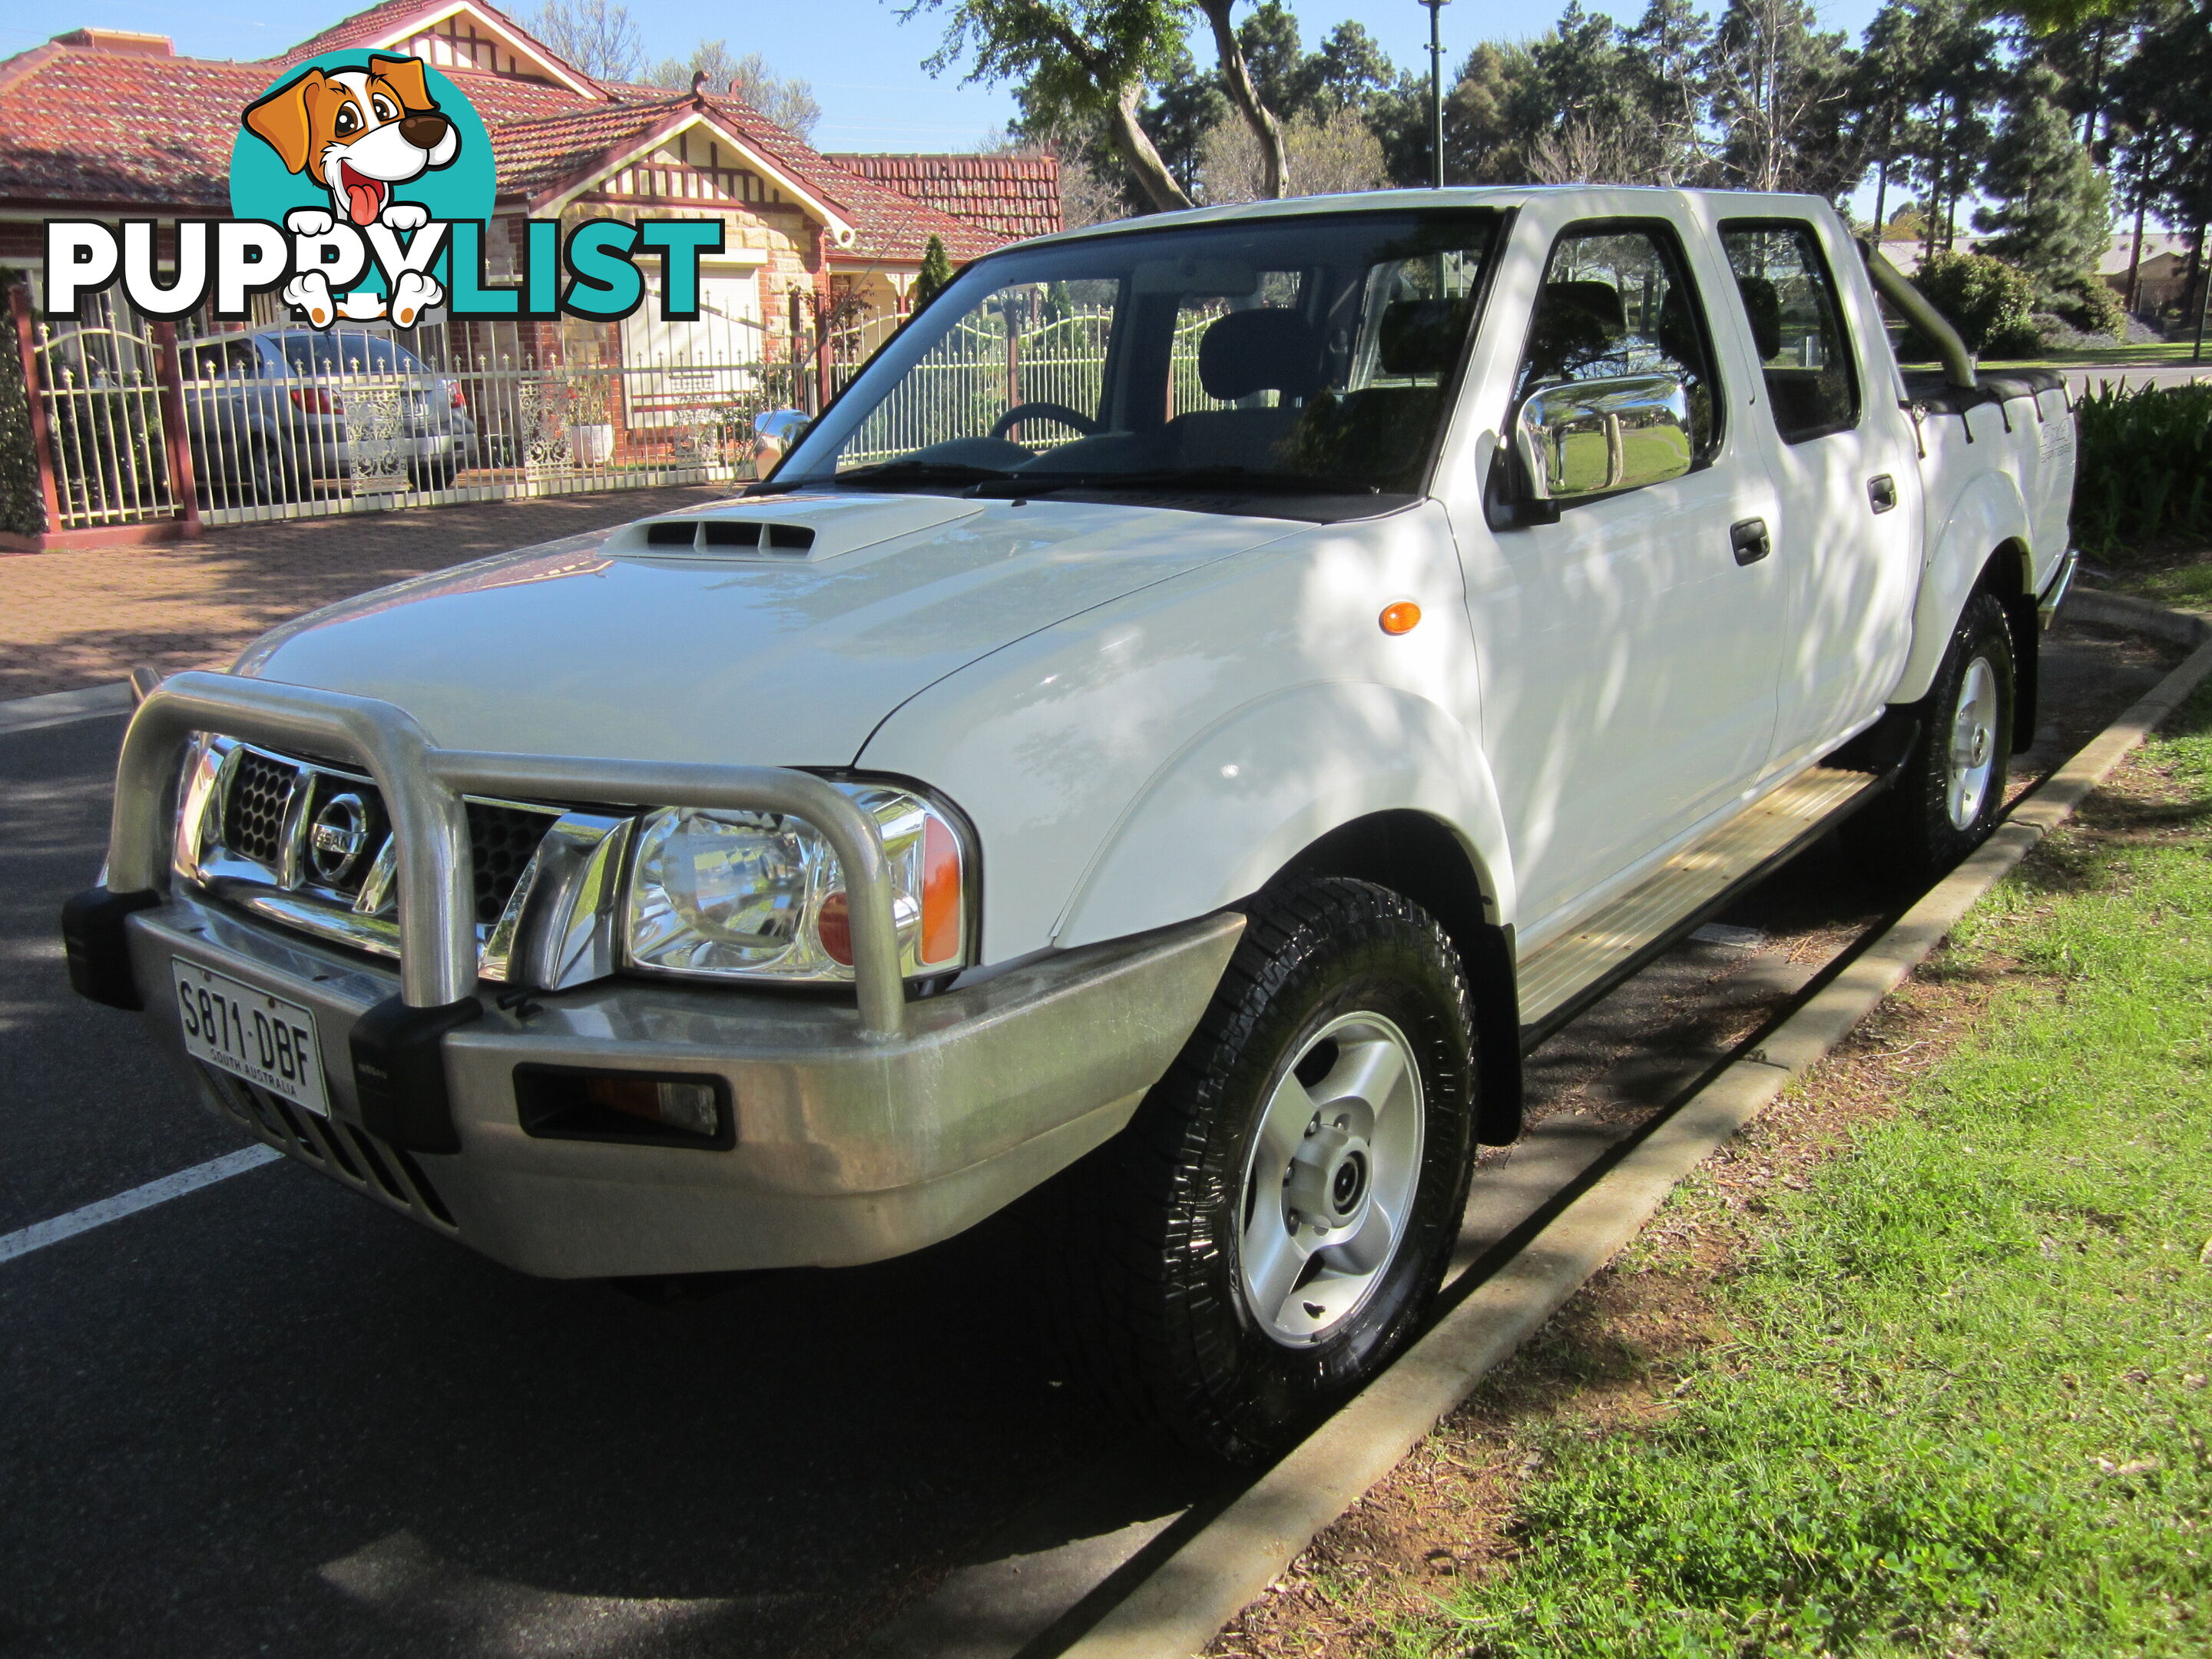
{"points": [[2188, 586], [2151, 355], [1959, 1417]]}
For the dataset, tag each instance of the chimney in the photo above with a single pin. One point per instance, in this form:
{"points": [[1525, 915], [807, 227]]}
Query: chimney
{"points": [[119, 41]]}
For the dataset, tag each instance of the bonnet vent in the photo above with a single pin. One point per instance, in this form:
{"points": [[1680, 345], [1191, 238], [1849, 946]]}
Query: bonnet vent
{"points": [[730, 535]]}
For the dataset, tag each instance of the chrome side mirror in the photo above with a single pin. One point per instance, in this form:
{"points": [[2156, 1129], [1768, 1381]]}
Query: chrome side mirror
{"points": [[781, 427], [1592, 437]]}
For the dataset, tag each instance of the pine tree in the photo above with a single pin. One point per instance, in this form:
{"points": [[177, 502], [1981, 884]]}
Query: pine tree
{"points": [[936, 272], [2052, 213]]}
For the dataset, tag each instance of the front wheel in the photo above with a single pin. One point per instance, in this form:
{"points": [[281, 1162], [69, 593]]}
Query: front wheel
{"points": [[1268, 1232], [1951, 788]]}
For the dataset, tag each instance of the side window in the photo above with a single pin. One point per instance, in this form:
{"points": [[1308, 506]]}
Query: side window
{"points": [[1620, 302], [1797, 327]]}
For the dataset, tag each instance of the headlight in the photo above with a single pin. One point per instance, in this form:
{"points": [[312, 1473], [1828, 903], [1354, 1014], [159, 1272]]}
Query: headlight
{"points": [[760, 895]]}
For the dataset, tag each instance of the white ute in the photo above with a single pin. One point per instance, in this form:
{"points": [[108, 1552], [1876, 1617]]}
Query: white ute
{"points": [[1187, 762]]}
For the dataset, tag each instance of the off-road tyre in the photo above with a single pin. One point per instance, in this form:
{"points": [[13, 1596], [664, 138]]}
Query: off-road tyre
{"points": [[1913, 830], [1150, 1294]]}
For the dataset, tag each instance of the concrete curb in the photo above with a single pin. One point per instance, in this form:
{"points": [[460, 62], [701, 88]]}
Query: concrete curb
{"points": [[1179, 1607], [58, 707]]}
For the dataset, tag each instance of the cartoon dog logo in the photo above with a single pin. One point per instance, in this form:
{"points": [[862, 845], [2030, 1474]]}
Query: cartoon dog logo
{"points": [[358, 133]]}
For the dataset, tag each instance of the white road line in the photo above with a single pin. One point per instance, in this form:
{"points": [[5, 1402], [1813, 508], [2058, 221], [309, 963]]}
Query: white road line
{"points": [[39, 1234]]}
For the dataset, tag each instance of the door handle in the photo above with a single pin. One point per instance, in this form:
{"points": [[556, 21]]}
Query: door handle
{"points": [[1881, 490], [1750, 540]]}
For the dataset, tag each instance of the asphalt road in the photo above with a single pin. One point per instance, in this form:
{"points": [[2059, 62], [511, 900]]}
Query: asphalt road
{"points": [[272, 1418]]}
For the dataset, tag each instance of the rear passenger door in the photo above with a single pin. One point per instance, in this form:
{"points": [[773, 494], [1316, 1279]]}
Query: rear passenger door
{"points": [[1629, 650], [1848, 482]]}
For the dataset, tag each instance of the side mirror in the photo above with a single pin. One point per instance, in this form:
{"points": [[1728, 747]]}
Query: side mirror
{"points": [[782, 426], [1594, 437]]}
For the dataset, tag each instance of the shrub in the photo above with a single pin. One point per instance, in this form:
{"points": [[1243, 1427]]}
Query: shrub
{"points": [[2089, 303], [1981, 297], [2144, 468], [2024, 338]]}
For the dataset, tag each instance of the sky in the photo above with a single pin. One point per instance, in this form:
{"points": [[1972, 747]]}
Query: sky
{"points": [[865, 63]]}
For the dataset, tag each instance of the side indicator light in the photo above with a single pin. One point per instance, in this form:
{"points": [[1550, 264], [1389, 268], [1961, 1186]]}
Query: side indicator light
{"points": [[1401, 618]]}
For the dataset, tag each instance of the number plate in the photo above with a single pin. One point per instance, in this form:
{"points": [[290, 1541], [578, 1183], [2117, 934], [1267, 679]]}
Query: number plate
{"points": [[251, 1034]]}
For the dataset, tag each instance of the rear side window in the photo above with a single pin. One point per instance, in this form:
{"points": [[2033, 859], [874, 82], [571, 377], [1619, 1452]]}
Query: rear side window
{"points": [[1617, 302], [1797, 325]]}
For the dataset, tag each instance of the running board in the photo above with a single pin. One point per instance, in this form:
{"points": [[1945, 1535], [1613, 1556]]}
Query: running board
{"points": [[1564, 978]]}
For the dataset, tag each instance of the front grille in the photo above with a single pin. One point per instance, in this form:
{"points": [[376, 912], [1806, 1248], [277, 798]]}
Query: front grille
{"points": [[502, 838], [254, 818], [364, 1163], [500, 841]]}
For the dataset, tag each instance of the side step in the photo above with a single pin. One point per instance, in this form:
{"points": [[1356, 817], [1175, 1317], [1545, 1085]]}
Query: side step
{"points": [[1566, 975]]}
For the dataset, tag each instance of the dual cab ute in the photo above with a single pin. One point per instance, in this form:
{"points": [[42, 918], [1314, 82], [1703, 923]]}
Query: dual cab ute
{"points": [[1211, 694]]}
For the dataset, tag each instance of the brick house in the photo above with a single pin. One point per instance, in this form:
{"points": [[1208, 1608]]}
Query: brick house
{"points": [[97, 123]]}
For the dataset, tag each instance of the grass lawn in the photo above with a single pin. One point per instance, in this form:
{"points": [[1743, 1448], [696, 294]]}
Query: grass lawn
{"points": [[2154, 354], [1959, 1406]]}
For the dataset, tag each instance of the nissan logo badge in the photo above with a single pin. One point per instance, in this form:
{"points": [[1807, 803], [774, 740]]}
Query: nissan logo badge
{"points": [[340, 831]]}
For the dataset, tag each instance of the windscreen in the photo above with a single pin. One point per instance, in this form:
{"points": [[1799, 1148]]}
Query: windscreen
{"points": [[1309, 353]]}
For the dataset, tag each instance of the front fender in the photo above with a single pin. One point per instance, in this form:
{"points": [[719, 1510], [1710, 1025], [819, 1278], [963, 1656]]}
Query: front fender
{"points": [[1241, 799], [1988, 515]]}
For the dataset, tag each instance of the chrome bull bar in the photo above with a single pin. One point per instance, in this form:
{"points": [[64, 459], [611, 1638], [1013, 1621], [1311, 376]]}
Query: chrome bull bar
{"points": [[423, 786]]}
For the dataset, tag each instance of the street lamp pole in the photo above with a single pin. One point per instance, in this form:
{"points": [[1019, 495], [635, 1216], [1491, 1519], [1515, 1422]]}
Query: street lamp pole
{"points": [[1436, 91]]}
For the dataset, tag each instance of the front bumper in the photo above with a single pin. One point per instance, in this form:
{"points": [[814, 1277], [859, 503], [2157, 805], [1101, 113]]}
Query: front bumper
{"points": [[864, 1129], [848, 1149]]}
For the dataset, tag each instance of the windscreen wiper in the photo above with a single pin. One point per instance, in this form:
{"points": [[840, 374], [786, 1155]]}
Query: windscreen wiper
{"points": [[918, 472], [1189, 478]]}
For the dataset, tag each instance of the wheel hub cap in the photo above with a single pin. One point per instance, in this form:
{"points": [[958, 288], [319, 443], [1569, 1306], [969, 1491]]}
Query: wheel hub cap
{"points": [[1330, 1179], [1972, 748]]}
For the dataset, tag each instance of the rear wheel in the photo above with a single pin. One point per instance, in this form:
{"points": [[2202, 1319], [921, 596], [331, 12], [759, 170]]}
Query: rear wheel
{"points": [[1951, 788], [1268, 1232]]}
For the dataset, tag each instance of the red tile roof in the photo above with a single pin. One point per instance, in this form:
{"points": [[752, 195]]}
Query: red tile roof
{"points": [[84, 127], [1017, 196]]}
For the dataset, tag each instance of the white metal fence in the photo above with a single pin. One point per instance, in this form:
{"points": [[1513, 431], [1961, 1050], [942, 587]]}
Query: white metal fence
{"points": [[275, 420], [986, 365]]}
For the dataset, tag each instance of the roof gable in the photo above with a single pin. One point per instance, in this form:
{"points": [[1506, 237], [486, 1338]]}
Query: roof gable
{"points": [[467, 36]]}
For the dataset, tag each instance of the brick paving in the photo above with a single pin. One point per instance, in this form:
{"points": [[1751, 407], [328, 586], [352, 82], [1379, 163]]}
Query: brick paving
{"points": [[69, 620]]}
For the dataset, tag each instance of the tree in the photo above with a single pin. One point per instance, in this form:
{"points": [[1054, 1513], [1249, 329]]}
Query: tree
{"points": [[1349, 71], [1080, 64], [1664, 56], [1778, 89], [1955, 81], [936, 273], [1236, 81], [789, 103], [598, 37], [1328, 154], [1484, 143], [2052, 215], [1186, 106]]}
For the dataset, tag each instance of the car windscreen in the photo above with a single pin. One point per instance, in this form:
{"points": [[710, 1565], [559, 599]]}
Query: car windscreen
{"points": [[1312, 352], [347, 354]]}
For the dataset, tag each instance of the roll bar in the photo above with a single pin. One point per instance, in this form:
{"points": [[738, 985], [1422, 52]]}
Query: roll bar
{"points": [[1897, 288]]}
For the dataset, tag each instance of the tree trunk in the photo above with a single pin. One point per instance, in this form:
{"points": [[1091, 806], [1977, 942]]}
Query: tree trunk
{"points": [[2134, 256], [1880, 196], [1237, 75], [1154, 181]]}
